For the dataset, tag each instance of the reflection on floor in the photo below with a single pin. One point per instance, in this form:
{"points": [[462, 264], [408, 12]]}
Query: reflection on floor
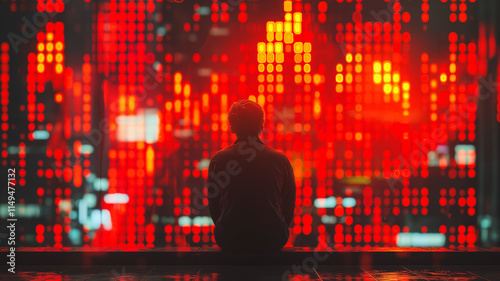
{"points": [[254, 273]]}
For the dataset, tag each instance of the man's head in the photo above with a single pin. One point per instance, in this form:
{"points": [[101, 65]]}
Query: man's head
{"points": [[246, 118]]}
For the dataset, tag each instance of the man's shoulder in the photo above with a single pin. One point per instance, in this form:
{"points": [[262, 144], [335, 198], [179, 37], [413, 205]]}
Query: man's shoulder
{"points": [[240, 148], [278, 154]]}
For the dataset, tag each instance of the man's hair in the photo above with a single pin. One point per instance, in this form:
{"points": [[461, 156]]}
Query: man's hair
{"points": [[246, 118]]}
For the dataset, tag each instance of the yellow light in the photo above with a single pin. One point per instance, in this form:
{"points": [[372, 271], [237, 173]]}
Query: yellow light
{"points": [[297, 17], [396, 89], [40, 68], [279, 78], [377, 78], [279, 26], [270, 26], [387, 78], [270, 47], [279, 36], [377, 67], [395, 77], [288, 17], [270, 68], [339, 78], [298, 47], [41, 47], [288, 27], [339, 67], [261, 47], [50, 47], [59, 58], [297, 68], [50, 58], [41, 58], [278, 47], [261, 67], [387, 88], [358, 57], [406, 86], [50, 36], [298, 78], [443, 77], [279, 68], [348, 58], [453, 78], [59, 46], [387, 66], [297, 28], [358, 68], [288, 37]]}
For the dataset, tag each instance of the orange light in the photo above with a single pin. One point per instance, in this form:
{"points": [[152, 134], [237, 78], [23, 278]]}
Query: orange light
{"points": [[287, 6], [58, 98]]}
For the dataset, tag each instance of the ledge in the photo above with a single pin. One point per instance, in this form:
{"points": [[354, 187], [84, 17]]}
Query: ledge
{"points": [[287, 256]]}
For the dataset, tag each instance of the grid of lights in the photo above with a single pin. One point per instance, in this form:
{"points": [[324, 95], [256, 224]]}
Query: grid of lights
{"points": [[346, 120]]}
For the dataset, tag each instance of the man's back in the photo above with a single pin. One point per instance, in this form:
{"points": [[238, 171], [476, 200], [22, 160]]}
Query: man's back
{"points": [[251, 196]]}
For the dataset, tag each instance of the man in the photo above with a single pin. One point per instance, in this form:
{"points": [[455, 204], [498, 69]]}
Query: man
{"points": [[251, 187]]}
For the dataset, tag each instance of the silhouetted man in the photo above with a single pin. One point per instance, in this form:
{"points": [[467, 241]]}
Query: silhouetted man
{"points": [[251, 187]]}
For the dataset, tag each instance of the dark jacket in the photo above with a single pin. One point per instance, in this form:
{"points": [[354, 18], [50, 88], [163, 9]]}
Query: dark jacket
{"points": [[251, 195]]}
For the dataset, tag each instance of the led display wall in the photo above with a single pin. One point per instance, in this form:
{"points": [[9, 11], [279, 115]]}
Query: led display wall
{"points": [[111, 111]]}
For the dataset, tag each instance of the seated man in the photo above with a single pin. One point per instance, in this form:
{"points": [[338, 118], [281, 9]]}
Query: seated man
{"points": [[251, 187]]}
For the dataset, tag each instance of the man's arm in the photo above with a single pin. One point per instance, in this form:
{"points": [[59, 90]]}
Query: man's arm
{"points": [[213, 192], [289, 191]]}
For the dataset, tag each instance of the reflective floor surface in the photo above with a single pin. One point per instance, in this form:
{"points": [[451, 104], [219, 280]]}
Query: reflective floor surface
{"points": [[254, 273]]}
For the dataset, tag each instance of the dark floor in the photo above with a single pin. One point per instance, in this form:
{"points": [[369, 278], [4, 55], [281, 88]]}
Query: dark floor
{"points": [[254, 273]]}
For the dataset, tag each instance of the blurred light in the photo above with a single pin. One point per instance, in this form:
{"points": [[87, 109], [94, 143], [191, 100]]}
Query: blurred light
{"points": [[116, 198], [415, 239]]}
